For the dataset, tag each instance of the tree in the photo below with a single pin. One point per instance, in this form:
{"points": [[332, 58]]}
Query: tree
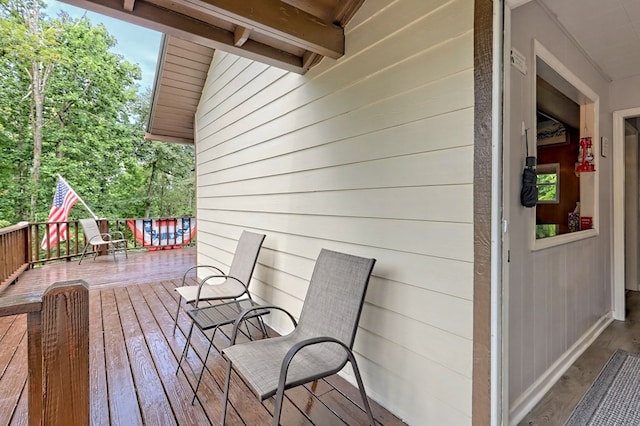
{"points": [[92, 127], [163, 174], [33, 46], [71, 106]]}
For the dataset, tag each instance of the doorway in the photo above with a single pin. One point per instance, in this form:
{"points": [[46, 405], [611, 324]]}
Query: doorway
{"points": [[631, 204], [623, 198]]}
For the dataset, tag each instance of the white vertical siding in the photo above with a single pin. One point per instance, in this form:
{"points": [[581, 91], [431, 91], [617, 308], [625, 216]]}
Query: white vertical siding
{"points": [[556, 295], [372, 155]]}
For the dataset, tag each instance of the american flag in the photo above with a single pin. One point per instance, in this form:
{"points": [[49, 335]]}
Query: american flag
{"points": [[63, 200]]}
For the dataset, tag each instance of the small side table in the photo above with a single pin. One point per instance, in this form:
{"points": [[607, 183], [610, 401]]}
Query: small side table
{"points": [[214, 317]]}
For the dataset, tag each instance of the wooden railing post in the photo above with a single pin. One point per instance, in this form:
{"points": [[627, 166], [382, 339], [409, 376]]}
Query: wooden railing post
{"points": [[103, 225], [34, 343], [58, 340]]}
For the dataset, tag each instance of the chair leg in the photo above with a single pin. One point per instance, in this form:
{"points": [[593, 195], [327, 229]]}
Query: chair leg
{"points": [[86, 246], [263, 328], [363, 393], [277, 410], [227, 383], [248, 331], [204, 364], [186, 348], [175, 321]]}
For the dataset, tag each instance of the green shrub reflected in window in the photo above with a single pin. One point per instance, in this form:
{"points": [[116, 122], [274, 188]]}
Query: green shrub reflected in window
{"points": [[546, 230], [548, 183]]}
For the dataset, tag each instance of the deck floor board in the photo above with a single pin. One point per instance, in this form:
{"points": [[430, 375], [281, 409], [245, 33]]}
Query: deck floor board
{"points": [[175, 385], [99, 401], [123, 399], [14, 369], [133, 355], [154, 403]]}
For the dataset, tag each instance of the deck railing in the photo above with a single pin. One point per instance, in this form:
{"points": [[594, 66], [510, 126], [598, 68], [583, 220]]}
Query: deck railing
{"points": [[58, 352], [21, 244], [14, 251]]}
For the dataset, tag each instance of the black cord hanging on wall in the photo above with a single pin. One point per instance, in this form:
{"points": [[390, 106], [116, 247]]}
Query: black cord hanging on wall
{"points": [[529, 191]]}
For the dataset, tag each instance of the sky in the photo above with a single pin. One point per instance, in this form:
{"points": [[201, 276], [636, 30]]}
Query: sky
{"points": [[136, 44]]}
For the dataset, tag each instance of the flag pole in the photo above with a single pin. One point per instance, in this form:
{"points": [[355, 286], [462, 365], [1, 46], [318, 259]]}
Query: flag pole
{"points": [[79, 198]]}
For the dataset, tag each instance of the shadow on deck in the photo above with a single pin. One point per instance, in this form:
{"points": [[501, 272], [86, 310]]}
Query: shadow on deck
{"points": [[133, 355]]}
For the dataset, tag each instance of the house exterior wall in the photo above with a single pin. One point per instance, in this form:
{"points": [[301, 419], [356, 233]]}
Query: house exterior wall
{"points": [[559, 294], [372, 155]]}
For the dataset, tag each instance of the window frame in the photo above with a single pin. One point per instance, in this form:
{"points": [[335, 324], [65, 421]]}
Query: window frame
{"points": [[587, 99]]}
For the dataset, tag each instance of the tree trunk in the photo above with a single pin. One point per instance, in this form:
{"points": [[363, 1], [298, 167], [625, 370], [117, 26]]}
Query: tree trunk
{"points": [[38, 102], [147, 201], [39, 75]]}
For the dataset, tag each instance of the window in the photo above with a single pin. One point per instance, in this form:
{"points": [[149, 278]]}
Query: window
{"points": [[548, 183], [565, 112]]}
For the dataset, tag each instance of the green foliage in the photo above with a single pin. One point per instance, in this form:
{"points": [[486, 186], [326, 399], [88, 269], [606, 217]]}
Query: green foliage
{"points": [[546, 230], [547, 186], [93, 124]]}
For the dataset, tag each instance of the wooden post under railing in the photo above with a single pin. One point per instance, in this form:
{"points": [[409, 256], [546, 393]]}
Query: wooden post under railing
{"points": [[103, 225], [58, 341]]}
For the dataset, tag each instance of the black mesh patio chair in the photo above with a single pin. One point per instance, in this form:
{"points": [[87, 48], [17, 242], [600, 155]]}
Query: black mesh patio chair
{"points": [[114, 241], [235, 284], [320, 344]]}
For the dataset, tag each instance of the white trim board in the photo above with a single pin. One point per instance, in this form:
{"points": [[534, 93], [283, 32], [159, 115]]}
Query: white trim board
{"points": [[498, 360], [525, 403], [618, 288], [506, 199], [516, 3]]}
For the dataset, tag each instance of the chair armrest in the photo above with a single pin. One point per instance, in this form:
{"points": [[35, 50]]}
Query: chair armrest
{"points": [[293, 351], [218, 276], [107, 237], [101, 237], [118, 233], [184, 277], [243, 314]]}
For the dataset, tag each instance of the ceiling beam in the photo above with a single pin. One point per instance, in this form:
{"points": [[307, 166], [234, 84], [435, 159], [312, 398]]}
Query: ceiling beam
{"points": [[165, 138], [160, 19], [309, 59], [344, 11], [128, 5], [278, 20], [240, 36]]}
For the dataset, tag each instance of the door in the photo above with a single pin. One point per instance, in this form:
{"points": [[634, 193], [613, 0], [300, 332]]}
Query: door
{"points": [[631, 207]]}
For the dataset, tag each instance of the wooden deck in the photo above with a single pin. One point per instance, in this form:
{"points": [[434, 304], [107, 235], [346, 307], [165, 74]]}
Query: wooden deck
{"points": [[134, 355]]}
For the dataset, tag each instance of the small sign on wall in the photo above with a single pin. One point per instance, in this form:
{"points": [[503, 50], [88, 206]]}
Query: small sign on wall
{"points": [[519, 61], [604, 146]]}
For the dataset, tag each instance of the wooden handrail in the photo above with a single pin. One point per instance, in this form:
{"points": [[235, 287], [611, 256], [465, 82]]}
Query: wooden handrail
{"points": [[58, 342], [20, 245], [14, 252], [72, 247], [13, 228], [20, 304]]}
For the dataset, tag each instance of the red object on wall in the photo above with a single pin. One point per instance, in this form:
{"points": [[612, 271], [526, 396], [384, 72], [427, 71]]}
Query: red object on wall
{"points": [[585, 156], [586, 222]]}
